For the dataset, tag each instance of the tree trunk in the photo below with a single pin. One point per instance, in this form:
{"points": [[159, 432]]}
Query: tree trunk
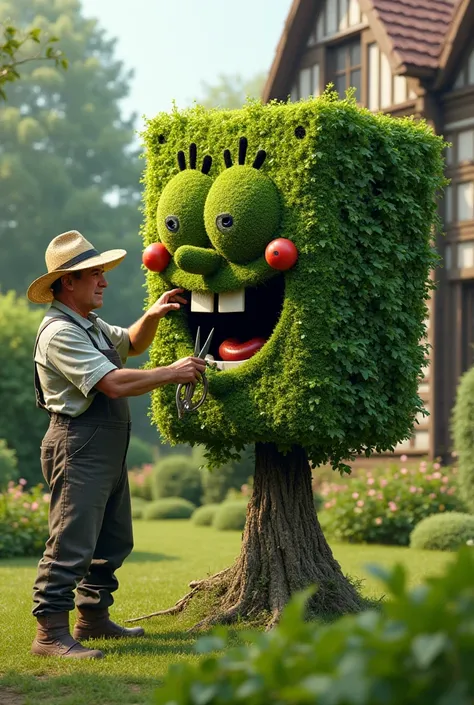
{"points": [[283, 550]]}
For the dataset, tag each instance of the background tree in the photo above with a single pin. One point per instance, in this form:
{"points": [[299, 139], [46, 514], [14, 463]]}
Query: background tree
{"points": [[69, 159], [230, 90], [17, 48]]}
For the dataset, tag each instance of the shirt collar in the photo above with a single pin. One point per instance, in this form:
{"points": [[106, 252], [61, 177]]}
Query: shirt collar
{"points": [[84, 322]]}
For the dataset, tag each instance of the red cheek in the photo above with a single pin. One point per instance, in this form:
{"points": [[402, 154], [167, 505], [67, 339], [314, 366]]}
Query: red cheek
{"points": [[281, 254]]}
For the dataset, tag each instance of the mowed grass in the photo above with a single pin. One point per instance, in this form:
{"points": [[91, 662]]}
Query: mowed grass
{"points": [[167, 555]]}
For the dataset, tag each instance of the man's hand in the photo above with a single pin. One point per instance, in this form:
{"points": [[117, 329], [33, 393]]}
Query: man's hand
{"points": [[169, 301], [187, 369]]}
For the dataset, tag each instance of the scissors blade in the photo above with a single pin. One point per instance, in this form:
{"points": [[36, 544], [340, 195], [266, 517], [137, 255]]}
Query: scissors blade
{"points": [[197, 343], [206, 346]]}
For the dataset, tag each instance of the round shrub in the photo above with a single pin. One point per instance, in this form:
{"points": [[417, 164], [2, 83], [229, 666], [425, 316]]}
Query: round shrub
{"points": [[384, 506], [443, 532], [230, 516], [177, 476], [217, 483], [23, 520], [138, 506], [169, 508], [8, 464], [204, 516], [463, 433], [140, 453]]}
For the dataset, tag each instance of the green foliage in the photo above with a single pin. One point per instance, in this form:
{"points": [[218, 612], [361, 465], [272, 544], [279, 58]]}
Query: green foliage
{"points": [[204, 516], [140, 453], [217, 483], [463, 433], [23, 520], [169, 508], [443, 532], [140, 481], [18, 48], [230, 516], [8, 464], [23, 425], [138, 507], [385, 506], [416, 649], [177, 476], [340, 371]]}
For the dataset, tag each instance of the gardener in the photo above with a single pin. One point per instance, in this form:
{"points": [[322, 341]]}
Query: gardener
{"points": [[80, 382]]}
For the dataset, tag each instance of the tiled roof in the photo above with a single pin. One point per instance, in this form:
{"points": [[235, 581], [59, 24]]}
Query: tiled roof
{"points": [[416, 28]]}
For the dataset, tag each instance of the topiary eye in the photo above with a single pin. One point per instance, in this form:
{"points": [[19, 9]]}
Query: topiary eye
{"points": [[224, 222], [172, 223]]}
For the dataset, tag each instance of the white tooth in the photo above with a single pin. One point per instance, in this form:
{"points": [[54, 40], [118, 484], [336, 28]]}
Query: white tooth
{"points": [[202, 302], [224, 364], [232, 301]]}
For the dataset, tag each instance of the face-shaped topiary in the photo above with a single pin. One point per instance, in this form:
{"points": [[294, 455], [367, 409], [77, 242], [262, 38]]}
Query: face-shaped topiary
{"points": [[325, 354]]}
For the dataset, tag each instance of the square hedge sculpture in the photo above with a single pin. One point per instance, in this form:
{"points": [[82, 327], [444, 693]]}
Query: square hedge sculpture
{"points": [[339, 335]]}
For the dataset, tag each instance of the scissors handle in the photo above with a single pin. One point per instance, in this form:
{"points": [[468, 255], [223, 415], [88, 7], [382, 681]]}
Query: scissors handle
{"points": [[186, 405]]}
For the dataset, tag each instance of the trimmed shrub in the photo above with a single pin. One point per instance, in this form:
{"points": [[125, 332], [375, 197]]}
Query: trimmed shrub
{"points": [[204, 516], [230, 516], [8, 464], [140, 481], [385, 506], [415, 649], [443, 532], [463, 433], [23, 520], [177, 476], [169, 508], [140, 453], [138, 506], [217, 483]]}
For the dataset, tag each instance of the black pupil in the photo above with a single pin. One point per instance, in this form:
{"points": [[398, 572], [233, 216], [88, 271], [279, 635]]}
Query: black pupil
{"points": [[172, 224], [227, 221]]}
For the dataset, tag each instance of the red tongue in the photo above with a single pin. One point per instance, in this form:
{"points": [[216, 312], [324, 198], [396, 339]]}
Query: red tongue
{"points": [[233, 350]]}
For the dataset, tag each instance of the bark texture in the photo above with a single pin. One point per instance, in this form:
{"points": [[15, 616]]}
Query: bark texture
{"points": [[283, 550]]}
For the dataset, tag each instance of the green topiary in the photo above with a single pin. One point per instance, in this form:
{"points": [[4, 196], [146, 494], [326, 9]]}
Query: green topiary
{"points": [[138, 507], [230, 516], [463, 432], [443, 532], [177, 476], [320, 218], [169, 508], [204, 516]]}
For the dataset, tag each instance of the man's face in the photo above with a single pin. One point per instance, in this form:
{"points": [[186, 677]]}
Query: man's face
{"points": [[88, 289]]}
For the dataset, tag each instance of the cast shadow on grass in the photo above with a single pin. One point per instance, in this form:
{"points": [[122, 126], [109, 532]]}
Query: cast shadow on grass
{"points": [[176, 642], [150, 556]]}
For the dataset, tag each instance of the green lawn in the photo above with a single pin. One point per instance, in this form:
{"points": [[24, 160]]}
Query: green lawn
{"points": [[168, 554]]}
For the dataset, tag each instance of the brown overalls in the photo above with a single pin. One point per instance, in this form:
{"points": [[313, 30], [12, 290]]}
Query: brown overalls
{"points": [[83, 460]]}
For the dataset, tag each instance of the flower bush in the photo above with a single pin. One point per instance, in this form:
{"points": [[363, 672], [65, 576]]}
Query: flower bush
{"points": [[23, 520], [384, 506], [139, 480]]}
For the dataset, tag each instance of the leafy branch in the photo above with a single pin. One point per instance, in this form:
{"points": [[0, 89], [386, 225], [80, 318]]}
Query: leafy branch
{"points": [[12, 56]]}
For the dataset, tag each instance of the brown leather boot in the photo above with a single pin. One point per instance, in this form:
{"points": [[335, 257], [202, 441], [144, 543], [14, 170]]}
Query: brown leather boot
{"points": [[96, 624], [54, 639]]}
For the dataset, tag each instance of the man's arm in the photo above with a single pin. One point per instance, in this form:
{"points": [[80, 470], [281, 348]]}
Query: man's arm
{"points": [[143, 331], [132, 383]]}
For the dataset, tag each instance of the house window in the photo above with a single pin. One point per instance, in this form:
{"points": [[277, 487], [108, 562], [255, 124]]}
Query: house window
{"points": [[306, 84], [334, 17], [466, 75], [347, 68]]}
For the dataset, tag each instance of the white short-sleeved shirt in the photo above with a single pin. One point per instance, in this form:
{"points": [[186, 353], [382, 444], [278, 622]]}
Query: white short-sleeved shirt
{"points": [[68, 364]]}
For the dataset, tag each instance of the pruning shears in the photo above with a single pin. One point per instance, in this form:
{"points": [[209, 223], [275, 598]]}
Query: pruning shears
{"points": [[184, 401]]}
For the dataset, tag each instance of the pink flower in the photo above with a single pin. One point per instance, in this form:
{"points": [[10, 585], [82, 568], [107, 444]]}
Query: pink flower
{"points": [[371, 493], [442, 489], [451, 490], [327, 505], [403, 458], [383, 482], [22, 481], [392, 506], [360, 503], [436, 475], [26, 505], [413, 489], [34, 506], [11, 484], [404, 471], [355, 495], [370, 481], [46, 497], [445, 479], [378, 520], [432, 495], [436, 466]]}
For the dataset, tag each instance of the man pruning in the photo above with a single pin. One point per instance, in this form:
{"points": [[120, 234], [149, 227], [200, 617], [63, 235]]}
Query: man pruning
{"points": [[81, 382]]}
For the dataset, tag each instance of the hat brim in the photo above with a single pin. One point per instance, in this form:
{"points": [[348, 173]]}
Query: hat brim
{"points": [[39, 291]]}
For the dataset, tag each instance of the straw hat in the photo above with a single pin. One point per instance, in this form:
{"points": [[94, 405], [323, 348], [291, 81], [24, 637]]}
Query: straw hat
{"points": [[69, 252]]}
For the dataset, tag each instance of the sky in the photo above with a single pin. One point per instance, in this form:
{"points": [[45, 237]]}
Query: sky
{"points": [[174, 45]]}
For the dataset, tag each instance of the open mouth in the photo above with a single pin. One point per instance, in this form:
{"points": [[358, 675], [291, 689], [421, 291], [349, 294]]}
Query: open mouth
{"points": [[243, 320]]}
